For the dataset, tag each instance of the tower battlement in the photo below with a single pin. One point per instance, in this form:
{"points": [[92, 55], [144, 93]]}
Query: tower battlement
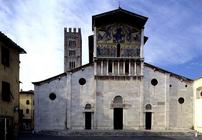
{"points": [[72, 30]]}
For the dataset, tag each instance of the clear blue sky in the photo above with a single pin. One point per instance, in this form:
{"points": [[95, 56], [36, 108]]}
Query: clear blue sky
{"points": [[174, 29]]}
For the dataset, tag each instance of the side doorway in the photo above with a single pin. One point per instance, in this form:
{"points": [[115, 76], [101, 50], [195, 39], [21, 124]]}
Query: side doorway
{"points": [[148, 120], [118, 118], [88, 120]]}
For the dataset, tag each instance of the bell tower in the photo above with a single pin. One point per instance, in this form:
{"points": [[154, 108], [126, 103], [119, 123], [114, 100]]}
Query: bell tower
{"points": [[72, 49], [118, 44]]}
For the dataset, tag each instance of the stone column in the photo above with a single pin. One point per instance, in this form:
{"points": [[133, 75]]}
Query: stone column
{"points": [[142, 44], [112, 67], [107, 67], [129, 68], [101, 67], [95, 68], [123, 67], [142, 68], [95, 43], [118, 68], [135, 68]]}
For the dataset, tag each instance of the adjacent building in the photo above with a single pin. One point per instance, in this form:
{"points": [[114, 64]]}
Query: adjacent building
{"points": [[197, 88], [117, 89], [9, 84], [27, 109]]}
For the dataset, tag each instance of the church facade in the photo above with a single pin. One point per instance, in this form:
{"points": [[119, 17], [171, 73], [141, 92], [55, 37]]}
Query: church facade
{"points": [[117, 89]]}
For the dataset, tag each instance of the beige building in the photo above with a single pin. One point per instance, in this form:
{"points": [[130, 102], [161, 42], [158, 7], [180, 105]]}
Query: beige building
{"points": [[27, 109], [9, 84], [197, 87], [117, 89]]}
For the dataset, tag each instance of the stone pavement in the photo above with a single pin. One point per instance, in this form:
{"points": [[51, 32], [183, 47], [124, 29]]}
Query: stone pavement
{"points": [[118, 133]]}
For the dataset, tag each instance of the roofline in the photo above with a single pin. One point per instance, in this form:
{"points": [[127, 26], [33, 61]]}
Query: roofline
{"points": [[126, 11], [113, 11], [14, 45], [165, 71], [198, 78], [49, 79], [62, 74], [78, 68]]}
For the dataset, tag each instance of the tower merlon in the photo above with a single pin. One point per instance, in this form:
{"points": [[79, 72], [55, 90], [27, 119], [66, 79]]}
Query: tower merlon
{"points": [[72, 30]]}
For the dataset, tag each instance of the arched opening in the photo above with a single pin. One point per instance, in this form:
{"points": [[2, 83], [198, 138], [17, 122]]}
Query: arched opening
{"points": [[118, 50], [118, 112], [88, 117], [118, 100]]}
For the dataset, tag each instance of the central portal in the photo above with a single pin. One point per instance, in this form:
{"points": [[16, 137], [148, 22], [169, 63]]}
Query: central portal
{"points": [[118, 118]]}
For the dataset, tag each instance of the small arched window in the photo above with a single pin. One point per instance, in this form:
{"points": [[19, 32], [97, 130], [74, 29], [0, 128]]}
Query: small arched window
{"points": [[118, 100], [88, 106], [148, 107]]}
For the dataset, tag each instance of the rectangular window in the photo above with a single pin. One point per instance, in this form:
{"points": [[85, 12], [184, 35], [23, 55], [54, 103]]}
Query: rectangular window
{"points": [[6, 94], [5, 56], [71, 65], [72, 53], [110, 67], [72, 43]]}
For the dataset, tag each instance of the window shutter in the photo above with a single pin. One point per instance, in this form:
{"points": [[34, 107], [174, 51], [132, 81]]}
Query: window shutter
{"points": [[6, 91]]}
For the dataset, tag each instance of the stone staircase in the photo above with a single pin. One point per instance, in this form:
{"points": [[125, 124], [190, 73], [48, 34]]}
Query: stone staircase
{"points": [[117, 133]]}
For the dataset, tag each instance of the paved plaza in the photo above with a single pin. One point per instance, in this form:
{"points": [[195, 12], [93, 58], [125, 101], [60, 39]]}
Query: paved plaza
{"points": [[46, 137]]}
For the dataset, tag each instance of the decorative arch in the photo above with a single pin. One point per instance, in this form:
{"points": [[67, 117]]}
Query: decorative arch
{"points": [[118, 100], [148, 107], [88, 106]]}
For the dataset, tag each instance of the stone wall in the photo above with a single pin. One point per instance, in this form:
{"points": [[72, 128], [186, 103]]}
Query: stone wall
{"points": [[167, 112], [51, 114], [68, 109], [106, 91], [81, 95]]}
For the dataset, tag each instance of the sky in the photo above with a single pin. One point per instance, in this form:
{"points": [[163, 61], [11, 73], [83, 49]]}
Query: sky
{"points": [[174, 29]]}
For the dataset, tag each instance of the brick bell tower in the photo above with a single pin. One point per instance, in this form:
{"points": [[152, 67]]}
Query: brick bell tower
{"points": [[72, 48]]}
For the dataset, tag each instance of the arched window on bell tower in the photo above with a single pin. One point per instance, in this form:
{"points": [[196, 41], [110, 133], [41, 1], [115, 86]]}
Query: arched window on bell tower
{"points": [[118, 50]]}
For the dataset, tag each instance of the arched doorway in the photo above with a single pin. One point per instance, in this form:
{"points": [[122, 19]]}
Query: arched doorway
{"points": [[88, 115], [148, 117], [118, 112]]}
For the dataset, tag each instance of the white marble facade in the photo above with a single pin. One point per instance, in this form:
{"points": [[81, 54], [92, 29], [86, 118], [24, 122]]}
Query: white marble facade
{"points": [[116, 91], [67, 110]]}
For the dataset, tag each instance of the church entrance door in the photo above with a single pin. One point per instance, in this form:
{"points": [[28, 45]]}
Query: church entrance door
{"points": [[87, 120], [148, 120], [118, 118]]}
